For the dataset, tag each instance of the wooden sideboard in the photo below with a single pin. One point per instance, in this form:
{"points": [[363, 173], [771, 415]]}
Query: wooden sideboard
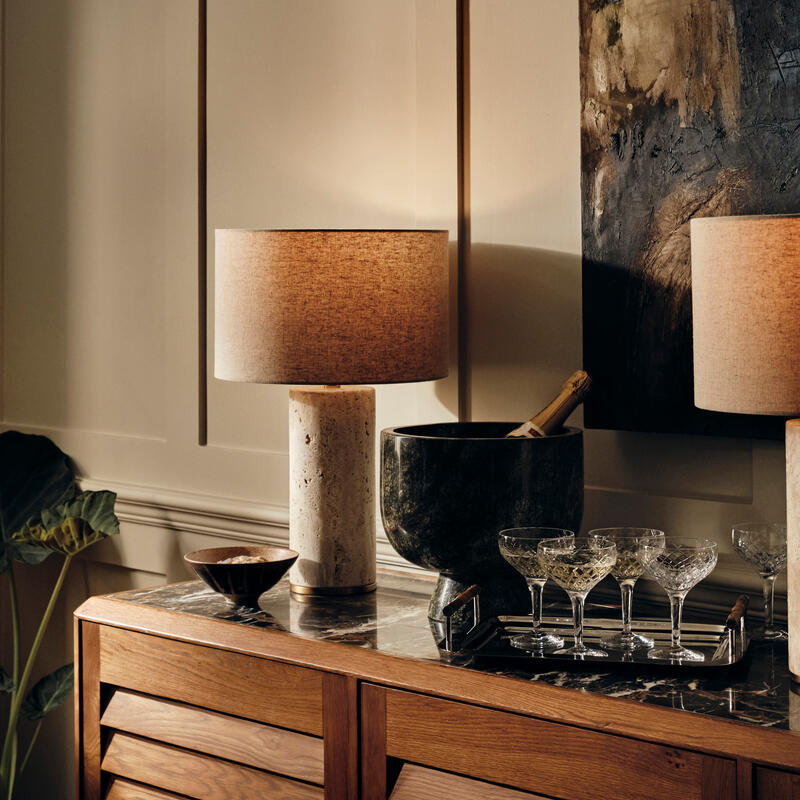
{"points": [[172, 705]]}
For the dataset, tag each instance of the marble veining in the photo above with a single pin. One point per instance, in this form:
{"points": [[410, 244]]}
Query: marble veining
{"points": [[394, 620]]}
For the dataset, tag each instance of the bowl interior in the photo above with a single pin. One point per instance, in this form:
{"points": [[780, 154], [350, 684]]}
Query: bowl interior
{"points": [[213, 555]]}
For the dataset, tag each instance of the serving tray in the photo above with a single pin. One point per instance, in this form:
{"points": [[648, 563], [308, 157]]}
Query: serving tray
{"points": [[723, 645]]}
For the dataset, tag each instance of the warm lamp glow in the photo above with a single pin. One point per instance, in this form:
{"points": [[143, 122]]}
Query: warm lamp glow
{"points": [[746, 314], [331, 307], [746, 309]]}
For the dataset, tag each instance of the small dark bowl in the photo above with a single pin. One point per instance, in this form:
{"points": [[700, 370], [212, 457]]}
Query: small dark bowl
{"points": [[241, 584]]}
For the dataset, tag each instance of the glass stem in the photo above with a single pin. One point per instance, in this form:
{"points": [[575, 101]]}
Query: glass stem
{"points": [[769, 594], [675, 612], [536, 603], [577, 613], [626, 591]]}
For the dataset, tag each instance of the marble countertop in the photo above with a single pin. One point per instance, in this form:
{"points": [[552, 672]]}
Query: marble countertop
{"points": [[393, 620]]}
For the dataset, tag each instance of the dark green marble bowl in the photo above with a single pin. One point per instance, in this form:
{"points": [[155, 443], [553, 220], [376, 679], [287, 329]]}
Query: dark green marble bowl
{"points": [[447, 490], [241, 584]]}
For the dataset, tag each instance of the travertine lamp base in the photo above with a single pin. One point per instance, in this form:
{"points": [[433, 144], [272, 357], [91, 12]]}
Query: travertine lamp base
{"points": [[793, 542], [332, 489]]}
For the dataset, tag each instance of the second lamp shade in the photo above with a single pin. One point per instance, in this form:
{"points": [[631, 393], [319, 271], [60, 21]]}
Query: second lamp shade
{"points": [[331, 306], [746, 314]]}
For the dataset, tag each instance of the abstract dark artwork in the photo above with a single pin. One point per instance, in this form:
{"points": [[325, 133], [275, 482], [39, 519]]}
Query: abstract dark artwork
{"points": [[688, 108]]}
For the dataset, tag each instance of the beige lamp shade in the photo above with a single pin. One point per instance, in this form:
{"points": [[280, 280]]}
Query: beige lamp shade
{"points": [[331, 306], [746, 314]]}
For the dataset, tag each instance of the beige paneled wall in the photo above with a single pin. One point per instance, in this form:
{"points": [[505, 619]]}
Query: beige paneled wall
{"points": [[524, 290], [326, 114], [320, 113]]}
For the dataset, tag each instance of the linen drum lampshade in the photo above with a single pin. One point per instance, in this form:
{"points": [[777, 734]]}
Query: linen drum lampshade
{"points": [[331, 307], [746, 318]]}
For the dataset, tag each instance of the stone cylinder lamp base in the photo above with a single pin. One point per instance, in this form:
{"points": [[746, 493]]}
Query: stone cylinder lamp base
{"points": [[332, 489], [793, 542]]}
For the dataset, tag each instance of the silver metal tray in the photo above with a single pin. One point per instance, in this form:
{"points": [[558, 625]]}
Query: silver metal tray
{"points": [[723, 645]]}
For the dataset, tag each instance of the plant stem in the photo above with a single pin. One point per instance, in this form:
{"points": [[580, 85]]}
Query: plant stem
{"points": [[13, 765], [30, 745], [19, 691], [12, 589], [8, 769]]}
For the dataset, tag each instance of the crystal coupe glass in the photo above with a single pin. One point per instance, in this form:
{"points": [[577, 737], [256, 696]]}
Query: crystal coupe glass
{"points": [[578, 565], [628, 568], [519, 547], [763, 546], [677, 564]]}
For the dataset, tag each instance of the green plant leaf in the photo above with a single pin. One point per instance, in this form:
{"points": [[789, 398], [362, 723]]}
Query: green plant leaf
{"points": [[27, 552], [34, 474], [49, 693], [6, 681], [71, 527]]}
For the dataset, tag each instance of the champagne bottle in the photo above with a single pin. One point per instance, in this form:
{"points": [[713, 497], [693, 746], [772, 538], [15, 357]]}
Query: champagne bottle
{"points": [[552, 416]]}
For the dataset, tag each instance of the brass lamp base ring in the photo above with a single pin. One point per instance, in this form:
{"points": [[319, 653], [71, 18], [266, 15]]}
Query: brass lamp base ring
{"points": [[332, 590]]}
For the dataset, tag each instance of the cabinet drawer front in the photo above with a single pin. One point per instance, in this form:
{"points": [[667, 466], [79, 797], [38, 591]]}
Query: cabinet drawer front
{"points": [[121, 789], [246, 686], [776, 784], [547, 757], [196, 775], [274, 749], [420, 783]]}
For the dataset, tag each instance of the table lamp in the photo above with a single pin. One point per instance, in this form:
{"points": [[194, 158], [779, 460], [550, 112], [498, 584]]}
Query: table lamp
{"points": [[333, 308], [746, 311]]}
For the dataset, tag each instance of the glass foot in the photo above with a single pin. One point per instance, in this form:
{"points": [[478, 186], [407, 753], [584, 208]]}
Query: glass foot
{"points": [[582, 652], [768, 635], [676, 654], [633, 641], [536, 640]]}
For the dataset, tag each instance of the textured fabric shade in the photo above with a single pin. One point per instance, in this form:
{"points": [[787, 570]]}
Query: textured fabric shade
{"points": [[331, 306], [746, 310]]}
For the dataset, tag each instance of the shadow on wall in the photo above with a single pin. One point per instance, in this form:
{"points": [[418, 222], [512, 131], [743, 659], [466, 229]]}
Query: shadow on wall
{"points": [[524, 327], [447, 390]]}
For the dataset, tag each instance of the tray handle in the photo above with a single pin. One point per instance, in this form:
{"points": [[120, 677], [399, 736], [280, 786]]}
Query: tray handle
{"points": [[458, 602]]}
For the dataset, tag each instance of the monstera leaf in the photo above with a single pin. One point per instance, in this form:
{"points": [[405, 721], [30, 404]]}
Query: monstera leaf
{"points": [[49, 693], [70, 527], [34, 474]]}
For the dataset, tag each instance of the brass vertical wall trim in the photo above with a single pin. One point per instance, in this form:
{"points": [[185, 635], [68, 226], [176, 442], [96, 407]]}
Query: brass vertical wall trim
{"points": [[202, 229], [464, 243]]}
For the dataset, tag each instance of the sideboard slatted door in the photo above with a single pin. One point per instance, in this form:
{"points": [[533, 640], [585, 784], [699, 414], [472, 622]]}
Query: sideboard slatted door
{"points": [[160, 718], [419, 746]]}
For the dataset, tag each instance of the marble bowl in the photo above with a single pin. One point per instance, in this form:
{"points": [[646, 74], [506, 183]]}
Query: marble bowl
{"points": [[447, 490], [241, 584]]}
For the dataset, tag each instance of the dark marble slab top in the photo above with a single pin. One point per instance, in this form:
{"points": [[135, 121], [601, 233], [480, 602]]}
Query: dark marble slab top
{"points": [[393, 620]]}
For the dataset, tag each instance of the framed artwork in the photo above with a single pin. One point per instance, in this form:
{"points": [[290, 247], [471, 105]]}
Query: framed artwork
{"points": [[688, 108]]}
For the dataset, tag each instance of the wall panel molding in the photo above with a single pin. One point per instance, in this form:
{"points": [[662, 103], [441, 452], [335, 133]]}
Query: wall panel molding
{"points": [[224, 518], [230, 519]]}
